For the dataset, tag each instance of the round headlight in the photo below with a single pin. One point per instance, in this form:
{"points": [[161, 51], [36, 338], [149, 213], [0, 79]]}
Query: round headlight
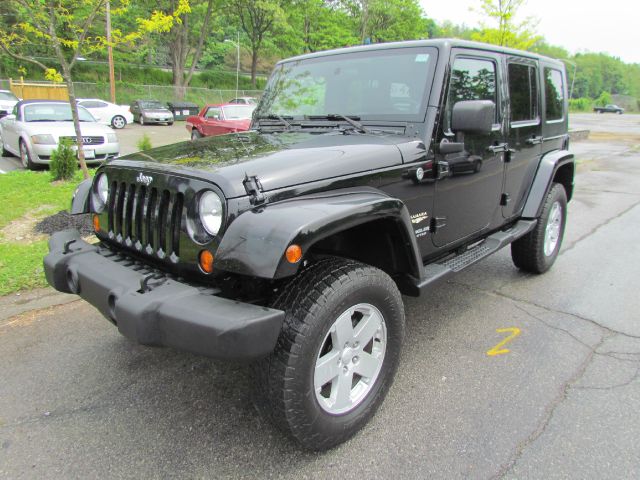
{"points": [[210, 210], [102, 188]]}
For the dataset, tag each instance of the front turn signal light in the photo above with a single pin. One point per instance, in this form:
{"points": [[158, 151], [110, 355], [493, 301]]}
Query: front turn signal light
{"points": [[293, 253], [96, 223]]}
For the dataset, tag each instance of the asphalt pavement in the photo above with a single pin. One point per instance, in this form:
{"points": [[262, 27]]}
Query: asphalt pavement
{"points": [[77, 400]]}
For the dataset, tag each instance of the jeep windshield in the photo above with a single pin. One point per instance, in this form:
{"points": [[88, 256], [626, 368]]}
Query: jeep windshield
{"points": [[388, 84]]}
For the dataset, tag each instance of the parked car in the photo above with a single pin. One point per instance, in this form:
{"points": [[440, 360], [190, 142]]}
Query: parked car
{"points": [[151, 111], [244, 101], [291, 244], [35, 128], [219, 119], [107, 113], [7, 101], [609, 109]]}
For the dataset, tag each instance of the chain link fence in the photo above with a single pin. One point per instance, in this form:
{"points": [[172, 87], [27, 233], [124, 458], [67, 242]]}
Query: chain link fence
{"points": [[128, 92]]}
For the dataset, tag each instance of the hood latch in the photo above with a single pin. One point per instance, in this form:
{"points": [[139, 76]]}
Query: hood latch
{"points": [[254, 189]]}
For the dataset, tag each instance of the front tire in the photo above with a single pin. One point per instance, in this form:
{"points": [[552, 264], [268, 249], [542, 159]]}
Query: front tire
{"points": [[537, 251], [141, 120], [195, 134], [337, 354], [25, 157]]}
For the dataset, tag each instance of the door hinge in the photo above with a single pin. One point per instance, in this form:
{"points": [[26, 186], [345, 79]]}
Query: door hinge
{"points": [[505, 198], [254, 189], [437, 223]]}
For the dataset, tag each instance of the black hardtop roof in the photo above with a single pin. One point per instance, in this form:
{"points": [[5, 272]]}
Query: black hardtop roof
{"points": [[444, 44]]}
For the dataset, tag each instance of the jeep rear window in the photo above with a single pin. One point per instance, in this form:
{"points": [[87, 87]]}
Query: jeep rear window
{"points": [[388, 84], [554, 93]]}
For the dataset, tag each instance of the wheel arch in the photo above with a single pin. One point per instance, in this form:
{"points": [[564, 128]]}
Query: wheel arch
{"points": [[365, 225], [556, 166]]}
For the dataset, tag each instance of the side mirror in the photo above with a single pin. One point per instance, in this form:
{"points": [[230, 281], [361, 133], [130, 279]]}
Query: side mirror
{"points": [[473, 116]]}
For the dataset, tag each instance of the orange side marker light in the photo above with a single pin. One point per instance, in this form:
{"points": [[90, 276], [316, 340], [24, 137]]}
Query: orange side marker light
{"points": [[96, 223], [293, 253], [206, 261]]}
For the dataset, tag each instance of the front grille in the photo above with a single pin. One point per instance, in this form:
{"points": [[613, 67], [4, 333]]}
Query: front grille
{"points": [[86, 140], [146, 219]]}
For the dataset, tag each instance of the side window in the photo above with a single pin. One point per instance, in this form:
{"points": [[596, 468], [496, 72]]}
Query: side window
{"points": [[523, 91], [97, 104], [472, 79], [213, 113], [554, 94]]}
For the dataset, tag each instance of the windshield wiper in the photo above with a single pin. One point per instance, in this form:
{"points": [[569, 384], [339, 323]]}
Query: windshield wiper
{"points": [[273, 116], [352, 120]]}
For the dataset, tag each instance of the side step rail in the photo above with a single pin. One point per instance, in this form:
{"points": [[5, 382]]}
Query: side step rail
{"points": [[434, 272]]}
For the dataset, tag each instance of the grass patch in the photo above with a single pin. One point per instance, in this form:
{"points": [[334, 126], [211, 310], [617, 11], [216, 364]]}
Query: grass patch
{"points": [[22, 192]]}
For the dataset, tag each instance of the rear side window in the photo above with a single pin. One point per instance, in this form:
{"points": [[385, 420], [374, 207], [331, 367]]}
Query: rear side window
{"points": [[472, 79], [523, 91], [554, 93]]}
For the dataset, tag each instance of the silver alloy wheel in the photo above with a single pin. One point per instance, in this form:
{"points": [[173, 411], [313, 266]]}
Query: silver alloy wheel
{"points": [[118, 122], [552, 231], [24, 155], [350, 359]]}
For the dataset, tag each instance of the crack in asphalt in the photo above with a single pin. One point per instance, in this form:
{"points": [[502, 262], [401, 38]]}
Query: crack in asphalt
{"points": [[633, 378], [596, 228], [549, 411]]}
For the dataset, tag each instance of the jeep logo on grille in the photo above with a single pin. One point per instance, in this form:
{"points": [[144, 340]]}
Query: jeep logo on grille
{"points": [[144, 179], [87, 140]]}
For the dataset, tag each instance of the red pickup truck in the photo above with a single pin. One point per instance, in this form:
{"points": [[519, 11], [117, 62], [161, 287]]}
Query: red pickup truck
{"points": [[220, 119]]}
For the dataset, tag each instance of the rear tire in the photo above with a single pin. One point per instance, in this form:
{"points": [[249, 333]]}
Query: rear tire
{"points": [[118, 122], [337, 353], [537, 251]]}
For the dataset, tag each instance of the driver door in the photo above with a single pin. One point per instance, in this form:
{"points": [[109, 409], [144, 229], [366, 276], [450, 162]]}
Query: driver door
{"points": [[210, 124], [469, 186]]}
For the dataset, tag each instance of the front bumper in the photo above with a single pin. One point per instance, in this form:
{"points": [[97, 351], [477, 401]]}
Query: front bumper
{"points": [[41, 153], [159, 311], [158, 119]]}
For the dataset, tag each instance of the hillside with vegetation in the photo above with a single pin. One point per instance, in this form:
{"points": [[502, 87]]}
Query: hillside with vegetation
{"points": [[192, 43]]}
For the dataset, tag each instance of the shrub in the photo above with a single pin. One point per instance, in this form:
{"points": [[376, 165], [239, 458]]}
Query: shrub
{"points": [[144, 143], [580, 104], [64, 161]]}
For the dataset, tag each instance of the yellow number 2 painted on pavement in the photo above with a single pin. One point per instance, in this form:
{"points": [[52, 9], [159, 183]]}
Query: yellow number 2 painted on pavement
{"points": [[498, 350]]}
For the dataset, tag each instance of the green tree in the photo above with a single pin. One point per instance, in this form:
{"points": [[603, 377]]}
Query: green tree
{"points": [[68, 29], [184, 26], [258, 19], [505, 30]]}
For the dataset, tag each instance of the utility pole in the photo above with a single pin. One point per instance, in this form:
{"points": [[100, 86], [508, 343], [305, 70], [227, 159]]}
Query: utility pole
{"points": [[112, 76]]}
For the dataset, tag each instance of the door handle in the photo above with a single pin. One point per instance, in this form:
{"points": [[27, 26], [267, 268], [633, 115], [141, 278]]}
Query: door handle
{"points": [[443, 170], [500, 148], [535, 140]]}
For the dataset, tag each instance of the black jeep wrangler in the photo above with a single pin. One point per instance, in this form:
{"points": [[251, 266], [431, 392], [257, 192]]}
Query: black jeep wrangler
{"points": [[369, 172]]}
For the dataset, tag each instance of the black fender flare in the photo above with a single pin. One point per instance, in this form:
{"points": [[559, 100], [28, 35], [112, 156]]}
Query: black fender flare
{"points": [[256, 241], [549, 165], [80, 202]]}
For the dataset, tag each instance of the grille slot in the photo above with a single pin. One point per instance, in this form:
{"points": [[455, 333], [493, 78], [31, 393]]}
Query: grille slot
{"points": [[86, 140], [146, 219]]}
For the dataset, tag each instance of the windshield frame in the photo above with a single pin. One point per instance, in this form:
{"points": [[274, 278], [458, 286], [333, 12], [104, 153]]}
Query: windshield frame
{"points": [[263, 108]]}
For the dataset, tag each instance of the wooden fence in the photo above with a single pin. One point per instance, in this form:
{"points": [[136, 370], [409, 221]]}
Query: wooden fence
{"points": [[38, 90]]}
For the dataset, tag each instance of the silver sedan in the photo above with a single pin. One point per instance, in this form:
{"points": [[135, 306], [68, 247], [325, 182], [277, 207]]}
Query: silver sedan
{"points": [[35, 128]]}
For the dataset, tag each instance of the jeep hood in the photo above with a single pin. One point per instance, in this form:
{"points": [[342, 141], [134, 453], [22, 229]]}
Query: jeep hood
{"points": [[279, 160]]}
